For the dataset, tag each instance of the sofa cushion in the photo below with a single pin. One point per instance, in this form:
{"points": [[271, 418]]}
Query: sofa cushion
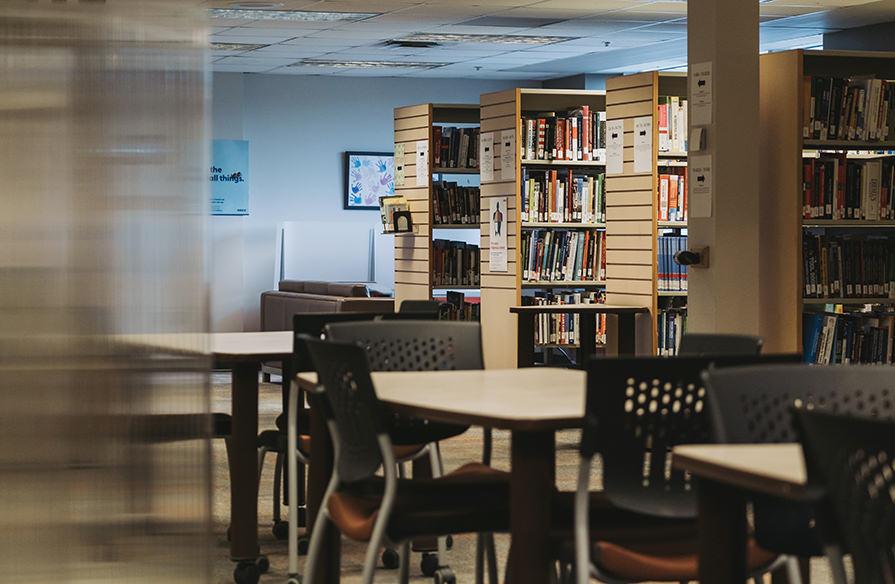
{"points": [[291, 286]]}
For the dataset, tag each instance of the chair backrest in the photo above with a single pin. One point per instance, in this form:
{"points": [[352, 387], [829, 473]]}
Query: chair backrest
{"points": [[719, 344], [753, 404], [855, 459], [350, 399], [637, 409], [312, 324], [429, 308], [414, 345]]}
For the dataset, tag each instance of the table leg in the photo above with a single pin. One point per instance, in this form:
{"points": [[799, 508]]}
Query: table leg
{"points": [[722, 533], [627, 334], [244, 461], [587, 338], [532, 480], [525, 339], [318, 476]]}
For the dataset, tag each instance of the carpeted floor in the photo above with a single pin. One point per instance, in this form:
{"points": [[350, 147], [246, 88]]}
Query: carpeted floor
{"points": [[455, 452]]}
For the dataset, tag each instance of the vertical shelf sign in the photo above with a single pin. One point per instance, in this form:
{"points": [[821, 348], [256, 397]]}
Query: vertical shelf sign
{"points": [[615, 141], [700, 170], [399, 165], [508, 155], [229, 176], [486, 149], [643, 144], [422, 163], [497, 232]]}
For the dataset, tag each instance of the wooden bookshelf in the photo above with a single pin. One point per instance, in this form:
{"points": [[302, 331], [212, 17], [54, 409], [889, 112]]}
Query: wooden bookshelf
{"points": [[503, 111], [782, 227], [414, 260], [632, 209]]}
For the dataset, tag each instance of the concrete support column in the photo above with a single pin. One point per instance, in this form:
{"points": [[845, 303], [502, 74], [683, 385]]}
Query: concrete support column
{"points": [[724, 297]]}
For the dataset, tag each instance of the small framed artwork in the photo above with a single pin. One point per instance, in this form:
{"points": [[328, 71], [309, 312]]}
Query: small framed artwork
{"points": [[368, 176]]}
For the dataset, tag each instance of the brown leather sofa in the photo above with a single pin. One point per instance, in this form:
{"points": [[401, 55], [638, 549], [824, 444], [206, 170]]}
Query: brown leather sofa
{"points": [[295, 296]]}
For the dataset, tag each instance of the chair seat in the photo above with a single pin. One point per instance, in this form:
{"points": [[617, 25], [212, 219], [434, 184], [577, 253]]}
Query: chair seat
{"points": [[475, 497], [663, 560]]}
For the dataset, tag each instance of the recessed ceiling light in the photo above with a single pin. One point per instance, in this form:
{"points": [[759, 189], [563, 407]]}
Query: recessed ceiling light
{"points": [[366, 64], [236, 46], [288, 15], [513, 39]]}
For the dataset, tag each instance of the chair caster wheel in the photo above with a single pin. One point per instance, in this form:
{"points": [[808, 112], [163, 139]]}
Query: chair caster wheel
{"points": [[390, 559], [444, 576], [246, 573], [302, 517], [262, 563], [429, 564], [449, 541], [294, 579], [303, 543], [281, 530]]}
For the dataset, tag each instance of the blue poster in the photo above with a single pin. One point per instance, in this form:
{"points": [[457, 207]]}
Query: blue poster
{"points": [[229, 177]]}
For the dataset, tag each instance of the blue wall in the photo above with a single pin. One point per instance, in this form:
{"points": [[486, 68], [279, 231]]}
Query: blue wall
{"points": [[297, 128]]}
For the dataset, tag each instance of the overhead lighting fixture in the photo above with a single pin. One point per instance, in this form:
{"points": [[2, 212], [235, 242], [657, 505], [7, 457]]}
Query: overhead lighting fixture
{"points": [[366, 64], [410, 44], [236, 46], [288, 15], [512, 39]]}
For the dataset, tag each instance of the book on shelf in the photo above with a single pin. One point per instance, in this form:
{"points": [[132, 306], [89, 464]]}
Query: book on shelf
{"points": [[834, 338], [455, 147], [672, 123], [670, 276], [454, 204], [848, 266], [563, 196], [859, 108], [455, 263], [838, 188], [457, 307], [578, 134], [387, 207], [671, 324], [672, 195], [563, 328], [558, 255]]}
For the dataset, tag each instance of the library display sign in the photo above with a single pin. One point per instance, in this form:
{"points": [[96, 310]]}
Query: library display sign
{"points": [[229, 176], [368, 176]]}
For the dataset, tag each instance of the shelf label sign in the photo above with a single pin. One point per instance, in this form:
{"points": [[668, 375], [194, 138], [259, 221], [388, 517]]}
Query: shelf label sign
{"points": [[700, 171], [486, 155], [399, 165], [229, 176], [643, 144], [615, 143], [701, 94], [422, 163], [508, 155], [499, 215]]}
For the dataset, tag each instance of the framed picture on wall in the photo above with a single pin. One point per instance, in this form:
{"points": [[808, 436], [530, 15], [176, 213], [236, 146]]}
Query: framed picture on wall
{"points": [[368, 176]]}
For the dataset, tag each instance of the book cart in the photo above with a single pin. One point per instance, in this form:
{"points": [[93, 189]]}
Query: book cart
{"points": [[436, 151], [827, 212], [646, 209]]}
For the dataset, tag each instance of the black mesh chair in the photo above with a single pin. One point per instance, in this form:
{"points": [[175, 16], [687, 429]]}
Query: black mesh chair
{"points": [[753, 405], [365, 507], [428, 309], [854, 458], [719, 344], [424, 345], [637, 410]]}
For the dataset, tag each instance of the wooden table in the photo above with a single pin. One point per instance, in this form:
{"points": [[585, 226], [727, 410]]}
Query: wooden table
{"points": [[727, 474], [241, 353], [532, 403], [627, 327]]}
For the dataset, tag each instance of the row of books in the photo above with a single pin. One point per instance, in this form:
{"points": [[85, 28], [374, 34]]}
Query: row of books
{"points": [[553, 255], [455, 263], [456, 147], [563, 328], [672, 122], [670, 276], [453, 204], [456, 307], [848, 266], [855, 108], [673, 195], [671, 323], [577, 134], [834, 187], [848, 338], [559, 196]]}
